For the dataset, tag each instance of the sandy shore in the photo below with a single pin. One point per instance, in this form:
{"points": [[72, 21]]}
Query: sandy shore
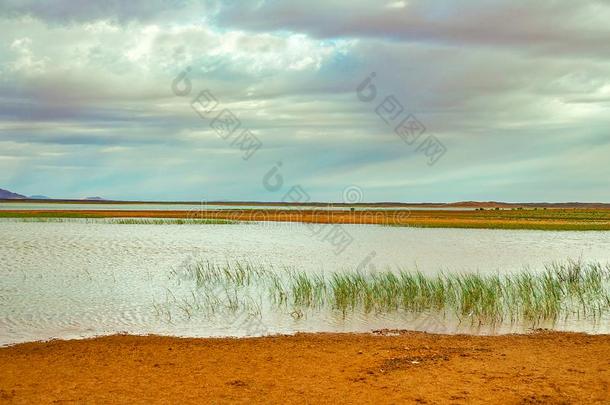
{"points": [[385, 367]]}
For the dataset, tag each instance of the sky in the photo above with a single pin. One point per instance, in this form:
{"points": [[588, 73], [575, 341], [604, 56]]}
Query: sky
{"points": [[347, 100]]}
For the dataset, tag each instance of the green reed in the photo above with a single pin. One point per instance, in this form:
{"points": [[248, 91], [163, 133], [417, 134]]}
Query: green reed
{"points": [[168, 221], [562, 290], [125, 221]]}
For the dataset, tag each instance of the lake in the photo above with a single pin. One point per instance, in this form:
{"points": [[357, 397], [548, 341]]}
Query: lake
{"points": [[79, 279], [195, 207]]}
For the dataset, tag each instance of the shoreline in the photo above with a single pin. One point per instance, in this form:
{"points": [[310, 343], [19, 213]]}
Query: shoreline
{"points": [[320, 204], [551, 219], [383, 366]]}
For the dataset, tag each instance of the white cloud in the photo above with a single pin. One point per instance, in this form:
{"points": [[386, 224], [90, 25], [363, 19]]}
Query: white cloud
{"points": [[513, 91], [397, 4]]}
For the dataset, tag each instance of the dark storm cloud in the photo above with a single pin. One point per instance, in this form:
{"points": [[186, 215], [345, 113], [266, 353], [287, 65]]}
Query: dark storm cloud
{"points": [[517, 91], [122, 11], [546, 26]]}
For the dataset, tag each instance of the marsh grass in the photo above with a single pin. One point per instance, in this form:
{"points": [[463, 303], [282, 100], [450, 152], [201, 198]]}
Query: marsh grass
{"points": [[541, 219], [125, 221], [561, 291], [161, 221]]}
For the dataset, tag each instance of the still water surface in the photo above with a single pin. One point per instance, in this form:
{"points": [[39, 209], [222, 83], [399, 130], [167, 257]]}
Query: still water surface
{"points": [[78, 279], [193, 207]]}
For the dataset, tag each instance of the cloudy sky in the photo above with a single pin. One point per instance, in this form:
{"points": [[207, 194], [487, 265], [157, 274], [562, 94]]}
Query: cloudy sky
{"points": [[514, 97]]}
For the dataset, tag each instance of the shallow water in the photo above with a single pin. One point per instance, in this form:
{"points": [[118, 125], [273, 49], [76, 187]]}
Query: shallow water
{"points": [[78, 279], [191, 207]]}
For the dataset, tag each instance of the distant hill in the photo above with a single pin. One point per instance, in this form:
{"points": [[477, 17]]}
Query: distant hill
{"points": [[8, 195], [94, 199], [499, 204], [39, 197]]}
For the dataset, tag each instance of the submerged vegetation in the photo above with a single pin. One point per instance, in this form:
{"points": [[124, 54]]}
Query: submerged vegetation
{"points": [[561, 291]]}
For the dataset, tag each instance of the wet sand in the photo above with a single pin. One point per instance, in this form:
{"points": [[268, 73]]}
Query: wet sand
{"points": [[383, 367]]}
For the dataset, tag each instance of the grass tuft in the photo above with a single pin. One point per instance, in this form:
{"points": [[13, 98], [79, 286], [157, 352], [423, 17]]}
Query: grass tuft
{"points": [[561, 291]]}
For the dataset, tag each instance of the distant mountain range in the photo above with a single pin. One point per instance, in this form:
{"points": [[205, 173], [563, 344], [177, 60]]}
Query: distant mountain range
{"points": [[8, 195]]}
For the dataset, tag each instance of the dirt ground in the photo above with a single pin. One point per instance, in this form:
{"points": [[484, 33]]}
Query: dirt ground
{"points": [[382, 367]]}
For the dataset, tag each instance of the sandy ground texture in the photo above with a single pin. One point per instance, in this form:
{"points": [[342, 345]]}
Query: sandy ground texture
{"points": [[382, 367]]}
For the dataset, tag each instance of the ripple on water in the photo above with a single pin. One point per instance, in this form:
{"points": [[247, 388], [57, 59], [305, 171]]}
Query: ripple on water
{"points": [[75, 279]]}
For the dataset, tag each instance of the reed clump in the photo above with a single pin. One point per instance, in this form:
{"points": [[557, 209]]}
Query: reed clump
{"points": [[562, 290], [168, 221]]}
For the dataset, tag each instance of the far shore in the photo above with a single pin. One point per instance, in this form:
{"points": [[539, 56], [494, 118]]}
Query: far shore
{"points": [[314, 204], [516, 218], [379, 367]]}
